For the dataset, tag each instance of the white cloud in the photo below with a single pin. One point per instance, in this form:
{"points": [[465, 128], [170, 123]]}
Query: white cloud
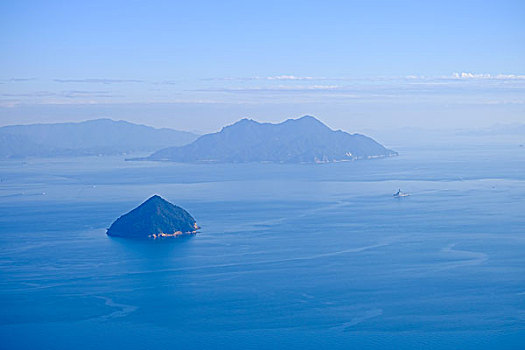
{"points": [[466, 75], [296, 88], [282, 77], [288, 77], [98, 81]]}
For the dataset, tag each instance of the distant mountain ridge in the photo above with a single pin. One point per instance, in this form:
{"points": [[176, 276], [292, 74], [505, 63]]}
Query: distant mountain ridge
{"points": [[303, 140], [92, 137]]}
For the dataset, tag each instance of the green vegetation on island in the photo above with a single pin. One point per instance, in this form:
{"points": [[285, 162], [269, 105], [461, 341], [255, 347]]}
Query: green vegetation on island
{"points": [[155, 218]]}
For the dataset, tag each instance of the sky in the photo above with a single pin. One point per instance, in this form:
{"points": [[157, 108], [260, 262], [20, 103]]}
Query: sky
{"points": [[200, 65]]}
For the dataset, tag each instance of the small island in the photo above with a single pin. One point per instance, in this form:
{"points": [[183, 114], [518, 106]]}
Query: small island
{"points": [[155, 218]]}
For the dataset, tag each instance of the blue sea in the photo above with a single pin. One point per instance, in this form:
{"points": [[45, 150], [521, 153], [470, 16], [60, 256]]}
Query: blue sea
{"points": [[317, 256]]}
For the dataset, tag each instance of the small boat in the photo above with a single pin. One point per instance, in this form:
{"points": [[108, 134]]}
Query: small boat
{"points": [[400, 194]]}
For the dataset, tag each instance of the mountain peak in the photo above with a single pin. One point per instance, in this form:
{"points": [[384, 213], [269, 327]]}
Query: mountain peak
{"points": [[307, 120], [155, 198], [240, 124], [246, 121]]}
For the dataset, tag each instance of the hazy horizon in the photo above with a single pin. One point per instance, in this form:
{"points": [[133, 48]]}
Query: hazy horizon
{"points": [[197, 67]]}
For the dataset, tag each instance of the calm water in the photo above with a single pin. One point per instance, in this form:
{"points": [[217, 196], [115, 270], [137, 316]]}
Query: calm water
{"points": [[290, 256]]}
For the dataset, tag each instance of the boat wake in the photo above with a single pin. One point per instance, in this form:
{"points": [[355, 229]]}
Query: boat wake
{"points": [[468, 258], [123, 309], [372, 313]]}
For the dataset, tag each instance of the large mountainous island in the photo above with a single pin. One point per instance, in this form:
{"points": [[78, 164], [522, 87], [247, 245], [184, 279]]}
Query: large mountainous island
{"points": [[155, 218], [93, 137], [303, 140]]}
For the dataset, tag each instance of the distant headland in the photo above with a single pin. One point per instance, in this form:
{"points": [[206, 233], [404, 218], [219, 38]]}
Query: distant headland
{"points": [[89, 138]]}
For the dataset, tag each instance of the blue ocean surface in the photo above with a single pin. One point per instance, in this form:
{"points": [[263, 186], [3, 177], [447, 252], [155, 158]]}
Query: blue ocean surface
{"points": [[317, 256]]}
